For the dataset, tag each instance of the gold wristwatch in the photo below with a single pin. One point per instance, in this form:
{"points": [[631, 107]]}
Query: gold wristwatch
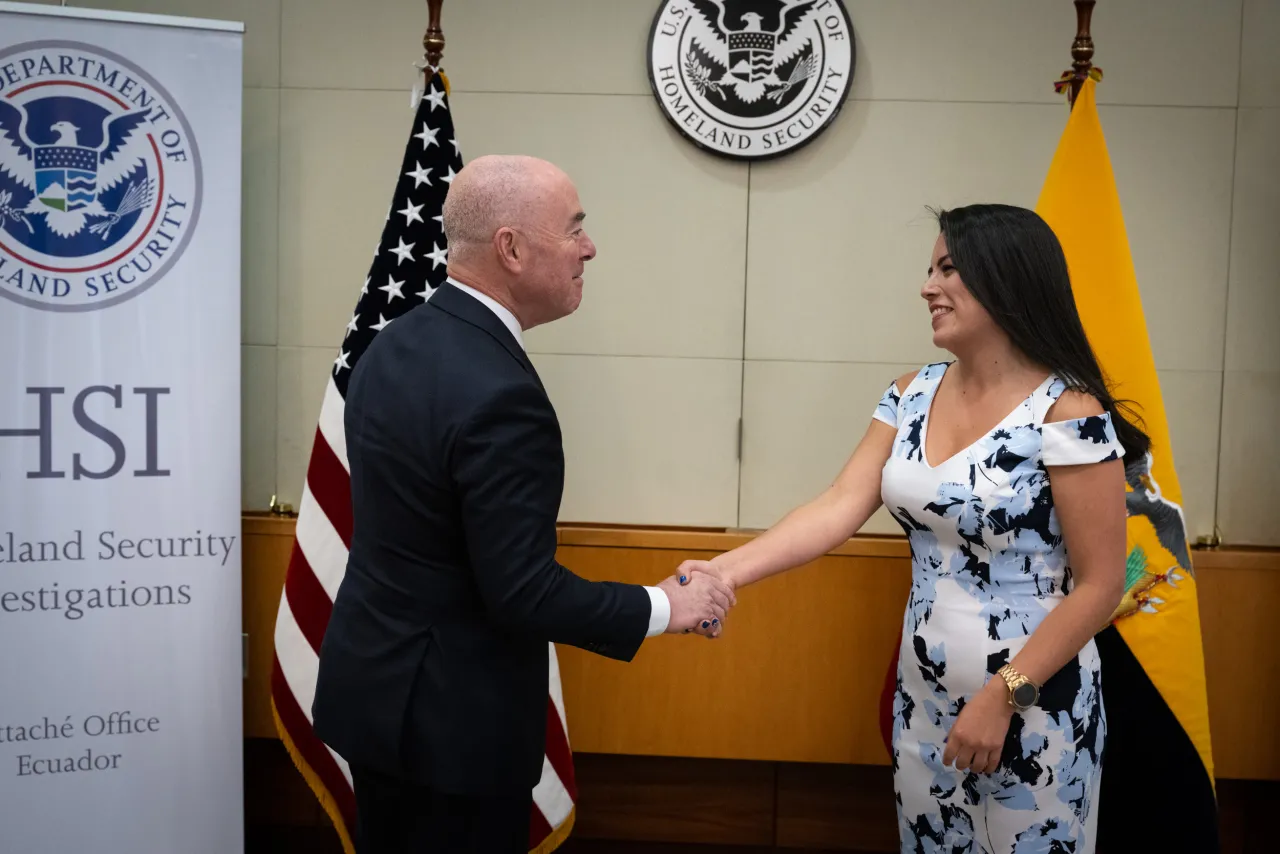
{"points": [[1023, 693]]}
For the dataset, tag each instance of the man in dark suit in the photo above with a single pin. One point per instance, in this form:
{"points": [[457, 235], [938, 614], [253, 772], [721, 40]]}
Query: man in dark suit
{"points": [[433, 673]]}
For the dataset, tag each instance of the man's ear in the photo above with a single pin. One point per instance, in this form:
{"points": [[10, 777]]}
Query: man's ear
{"points": [[506, 243]]}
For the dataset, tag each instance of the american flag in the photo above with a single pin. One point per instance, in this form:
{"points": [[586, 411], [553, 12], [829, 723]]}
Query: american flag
{"points": [[408, 265]]}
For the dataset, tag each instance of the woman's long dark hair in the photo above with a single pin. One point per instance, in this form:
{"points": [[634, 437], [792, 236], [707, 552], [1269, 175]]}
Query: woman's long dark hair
{"points": [[1014, 266]]}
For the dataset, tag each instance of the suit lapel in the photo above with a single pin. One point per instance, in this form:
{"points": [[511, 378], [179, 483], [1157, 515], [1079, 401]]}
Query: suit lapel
{"points": [[466, 308]]}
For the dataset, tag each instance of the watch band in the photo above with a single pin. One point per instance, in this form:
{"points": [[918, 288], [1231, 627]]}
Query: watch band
{"points": [[1015, 681]]}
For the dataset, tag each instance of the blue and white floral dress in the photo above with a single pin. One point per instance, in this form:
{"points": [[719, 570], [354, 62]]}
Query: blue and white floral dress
{"points": [[988, 563]]}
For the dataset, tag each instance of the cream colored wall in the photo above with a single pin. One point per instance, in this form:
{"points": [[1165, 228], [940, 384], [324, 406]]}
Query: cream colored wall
{"points": [[785, 292]]}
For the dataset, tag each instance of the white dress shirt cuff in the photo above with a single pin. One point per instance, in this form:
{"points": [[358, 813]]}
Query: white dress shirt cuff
{"points": [[660, 612]]}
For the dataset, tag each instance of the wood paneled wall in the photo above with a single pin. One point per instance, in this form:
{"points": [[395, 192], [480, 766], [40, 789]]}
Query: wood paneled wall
{"points": [[1239, 600], [796, 677], [267, 544]]}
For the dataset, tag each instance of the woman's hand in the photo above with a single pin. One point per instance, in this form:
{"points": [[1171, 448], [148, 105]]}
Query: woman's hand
{"points": [[684, 574], [977, 738], [686, 570]]}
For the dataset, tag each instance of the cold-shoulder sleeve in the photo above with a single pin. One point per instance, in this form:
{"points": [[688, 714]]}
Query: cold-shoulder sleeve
{"points": [[889, 406], [1081, 441]]}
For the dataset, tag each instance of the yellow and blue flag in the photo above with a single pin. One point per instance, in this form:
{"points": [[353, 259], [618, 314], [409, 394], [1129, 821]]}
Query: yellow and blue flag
{"points": [[1153, 679]]}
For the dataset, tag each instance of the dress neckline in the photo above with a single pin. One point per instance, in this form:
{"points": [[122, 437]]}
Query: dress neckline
{"points": [[928, 417]]}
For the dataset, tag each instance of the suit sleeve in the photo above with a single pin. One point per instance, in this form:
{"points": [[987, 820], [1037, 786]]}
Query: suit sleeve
{"points": [[507, 463]]}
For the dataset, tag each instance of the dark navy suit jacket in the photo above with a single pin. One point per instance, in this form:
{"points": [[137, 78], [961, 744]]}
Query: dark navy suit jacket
{"points": [[434, 666]]}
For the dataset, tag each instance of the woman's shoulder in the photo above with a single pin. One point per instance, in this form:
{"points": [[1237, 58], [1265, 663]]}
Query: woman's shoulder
{"points": [[904, 395], [930, 372], [1074, 404], [904, 382]]}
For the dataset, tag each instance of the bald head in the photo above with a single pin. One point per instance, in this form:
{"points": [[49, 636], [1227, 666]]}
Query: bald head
{"points": [[514, 228], [496, 191]]}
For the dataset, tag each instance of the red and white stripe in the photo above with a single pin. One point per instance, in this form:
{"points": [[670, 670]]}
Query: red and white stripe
{"points": [[316, 566]]}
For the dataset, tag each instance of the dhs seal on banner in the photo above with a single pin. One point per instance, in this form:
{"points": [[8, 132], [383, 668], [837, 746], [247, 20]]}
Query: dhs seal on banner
{"points": [[751, 79], [99, 177]]}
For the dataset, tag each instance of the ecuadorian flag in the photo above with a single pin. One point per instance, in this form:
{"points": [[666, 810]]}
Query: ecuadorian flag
{"points": [[1153, 683]]}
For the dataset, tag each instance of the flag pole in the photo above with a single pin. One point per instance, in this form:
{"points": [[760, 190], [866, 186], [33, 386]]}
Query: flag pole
{"points": [[1082, 67], [1081, 48], [433, 39]]}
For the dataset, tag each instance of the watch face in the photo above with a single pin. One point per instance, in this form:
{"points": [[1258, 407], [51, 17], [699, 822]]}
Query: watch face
{"points": [[1024, 695]]}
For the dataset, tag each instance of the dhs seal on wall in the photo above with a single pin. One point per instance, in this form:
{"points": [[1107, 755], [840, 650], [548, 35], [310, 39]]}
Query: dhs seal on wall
{"points": [[751, 79], [100, 179]]}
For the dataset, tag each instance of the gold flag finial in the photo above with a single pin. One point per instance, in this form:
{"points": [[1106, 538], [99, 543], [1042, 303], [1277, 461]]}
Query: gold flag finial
{"points": [[1082, 67], [433, 42]]}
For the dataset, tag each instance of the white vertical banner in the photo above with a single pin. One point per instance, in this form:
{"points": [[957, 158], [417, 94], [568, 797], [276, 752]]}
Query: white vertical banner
{"points": [[120, 652]]}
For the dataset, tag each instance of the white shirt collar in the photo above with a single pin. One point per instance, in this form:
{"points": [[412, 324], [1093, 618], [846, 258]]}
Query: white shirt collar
{"points": [[504, 314]]}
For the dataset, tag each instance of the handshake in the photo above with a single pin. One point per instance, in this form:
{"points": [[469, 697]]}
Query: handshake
{"points": [[700, 596]]}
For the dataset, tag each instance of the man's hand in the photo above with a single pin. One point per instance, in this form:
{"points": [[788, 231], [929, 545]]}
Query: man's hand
{"points": [[698, 604]]}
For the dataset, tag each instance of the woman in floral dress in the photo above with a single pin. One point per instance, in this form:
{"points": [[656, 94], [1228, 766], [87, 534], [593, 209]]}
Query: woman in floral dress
{"points": [[1004, 468]]}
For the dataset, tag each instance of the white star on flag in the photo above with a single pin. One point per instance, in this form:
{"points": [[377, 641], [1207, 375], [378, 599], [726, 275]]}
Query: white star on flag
{"points": [[456, 150], [412, 212], [428, 136], [403, 252], [426, 291], [341, 362], [420, 176], [436, 97], [439, 256], [448, 179], [392, 287], [365, 289], [382, 323], [352, 326]]}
